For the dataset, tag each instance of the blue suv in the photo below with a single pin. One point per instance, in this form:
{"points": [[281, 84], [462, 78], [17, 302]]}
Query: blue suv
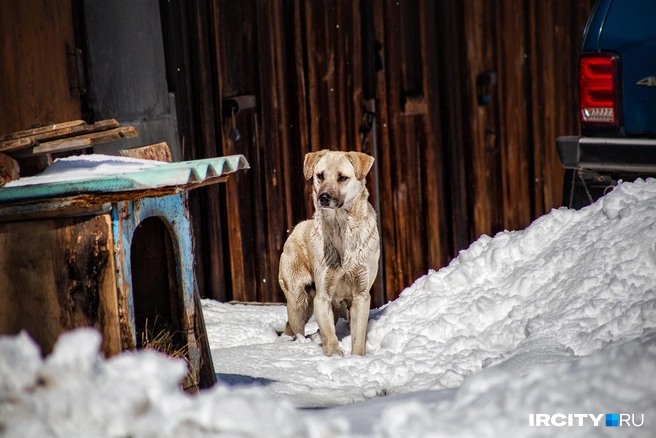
{"points": [[617, 102]]}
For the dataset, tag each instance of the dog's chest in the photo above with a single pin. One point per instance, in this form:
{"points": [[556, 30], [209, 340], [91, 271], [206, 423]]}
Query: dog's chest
{"points": [[339, 238]]}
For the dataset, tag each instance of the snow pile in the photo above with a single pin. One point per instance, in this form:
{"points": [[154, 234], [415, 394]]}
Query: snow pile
{"points": [[77, 393], [81, 167], [496, 403], [572, 283], [557, 318]]}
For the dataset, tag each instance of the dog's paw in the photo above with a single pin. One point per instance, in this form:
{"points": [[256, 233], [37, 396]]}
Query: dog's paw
{"points": [[332, 349]]}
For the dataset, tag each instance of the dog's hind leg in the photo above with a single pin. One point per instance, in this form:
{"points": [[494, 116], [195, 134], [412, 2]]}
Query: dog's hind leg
{"points": [[298, 313], [340, 310]]}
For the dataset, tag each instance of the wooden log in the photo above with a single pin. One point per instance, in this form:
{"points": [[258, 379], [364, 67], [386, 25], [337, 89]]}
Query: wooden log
{"points": [[156, 152], [79, 142], [34, 164], [9, 169]]}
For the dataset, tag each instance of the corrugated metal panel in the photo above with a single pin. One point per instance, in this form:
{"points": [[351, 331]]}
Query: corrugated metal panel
{"points": [[181, 176]]}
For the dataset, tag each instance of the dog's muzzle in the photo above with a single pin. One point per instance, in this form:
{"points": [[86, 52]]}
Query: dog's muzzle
{"points": [[324, 200]]}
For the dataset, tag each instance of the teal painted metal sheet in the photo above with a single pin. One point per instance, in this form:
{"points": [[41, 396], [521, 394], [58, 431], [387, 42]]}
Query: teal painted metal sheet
{"points": [[184, 175]]}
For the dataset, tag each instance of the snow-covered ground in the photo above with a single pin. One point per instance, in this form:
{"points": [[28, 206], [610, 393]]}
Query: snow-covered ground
{"points": [[552, 323]]}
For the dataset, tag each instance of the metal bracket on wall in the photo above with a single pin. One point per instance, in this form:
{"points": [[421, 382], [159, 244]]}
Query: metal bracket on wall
{"points": [[484, 83], [232, 105], [79, 69]]}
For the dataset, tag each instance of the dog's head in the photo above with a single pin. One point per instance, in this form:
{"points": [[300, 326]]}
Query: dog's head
{"points": [[338, 177]]}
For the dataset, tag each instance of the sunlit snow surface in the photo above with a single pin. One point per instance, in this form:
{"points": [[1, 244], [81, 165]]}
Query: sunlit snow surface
{"points": [[79, 167], [557, 318]]}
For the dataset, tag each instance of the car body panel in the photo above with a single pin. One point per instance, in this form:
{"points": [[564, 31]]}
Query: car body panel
{"points": [[628, 28], [607, 153]]}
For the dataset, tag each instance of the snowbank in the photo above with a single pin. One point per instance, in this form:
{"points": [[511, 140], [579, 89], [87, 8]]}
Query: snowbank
{"points": [[77, 393], [557, 318], [572, 283]]}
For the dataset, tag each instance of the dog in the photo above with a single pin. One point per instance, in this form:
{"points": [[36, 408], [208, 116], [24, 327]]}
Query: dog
{"points": [[330, 262]]}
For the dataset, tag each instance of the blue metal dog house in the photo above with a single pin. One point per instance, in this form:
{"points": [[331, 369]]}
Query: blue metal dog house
{"points": [[113, 252]]}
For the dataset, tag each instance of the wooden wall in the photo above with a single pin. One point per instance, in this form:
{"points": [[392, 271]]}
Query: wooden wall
{"points": [[38, 77], [447, 170], [515, 173]]}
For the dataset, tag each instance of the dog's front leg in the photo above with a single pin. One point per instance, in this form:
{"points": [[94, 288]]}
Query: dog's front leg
{"points": [[323, 312], [359, 320]]}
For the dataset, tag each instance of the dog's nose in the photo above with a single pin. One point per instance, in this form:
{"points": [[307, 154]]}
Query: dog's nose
{"points": [[324, 199]]}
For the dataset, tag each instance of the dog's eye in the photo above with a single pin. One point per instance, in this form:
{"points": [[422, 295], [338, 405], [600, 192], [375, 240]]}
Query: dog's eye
{"points": [[320, 176], [342, 178]]}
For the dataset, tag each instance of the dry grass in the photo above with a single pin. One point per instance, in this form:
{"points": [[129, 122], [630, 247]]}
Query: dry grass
{"points": [[160, 337]]}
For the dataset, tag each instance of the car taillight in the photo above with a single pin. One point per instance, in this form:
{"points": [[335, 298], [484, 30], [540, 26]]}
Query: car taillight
{"points": [[598, 89]]}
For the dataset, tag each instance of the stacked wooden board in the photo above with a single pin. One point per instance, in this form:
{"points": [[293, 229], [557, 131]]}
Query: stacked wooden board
{"points": [[63, 137], [20, 148]]}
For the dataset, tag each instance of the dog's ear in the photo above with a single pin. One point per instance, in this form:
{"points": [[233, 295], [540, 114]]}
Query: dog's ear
{"points": [[361, 163], [311, 159]]}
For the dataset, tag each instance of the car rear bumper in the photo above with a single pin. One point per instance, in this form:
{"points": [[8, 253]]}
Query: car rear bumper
{"points": [[635, 155]]}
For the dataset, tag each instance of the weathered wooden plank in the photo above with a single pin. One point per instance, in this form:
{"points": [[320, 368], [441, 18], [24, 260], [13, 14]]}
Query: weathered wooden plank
{"points": [[40, 130], [354, 99], [272, 24], [454, 138], [512, 66], [391, 263], [72, 131], [483, 122], [407, 134], [553, 99], [313, 84], [239, 75], [156, 152], [294, 164], [541, 112], [437, 236], [48, 210], [15, 145], [266, 127], [210, 141], [79, 142], [191, 42], [60, 132]]}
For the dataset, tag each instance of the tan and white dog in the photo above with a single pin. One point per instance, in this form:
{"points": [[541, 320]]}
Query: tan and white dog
{"points": [[329, 263]]}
